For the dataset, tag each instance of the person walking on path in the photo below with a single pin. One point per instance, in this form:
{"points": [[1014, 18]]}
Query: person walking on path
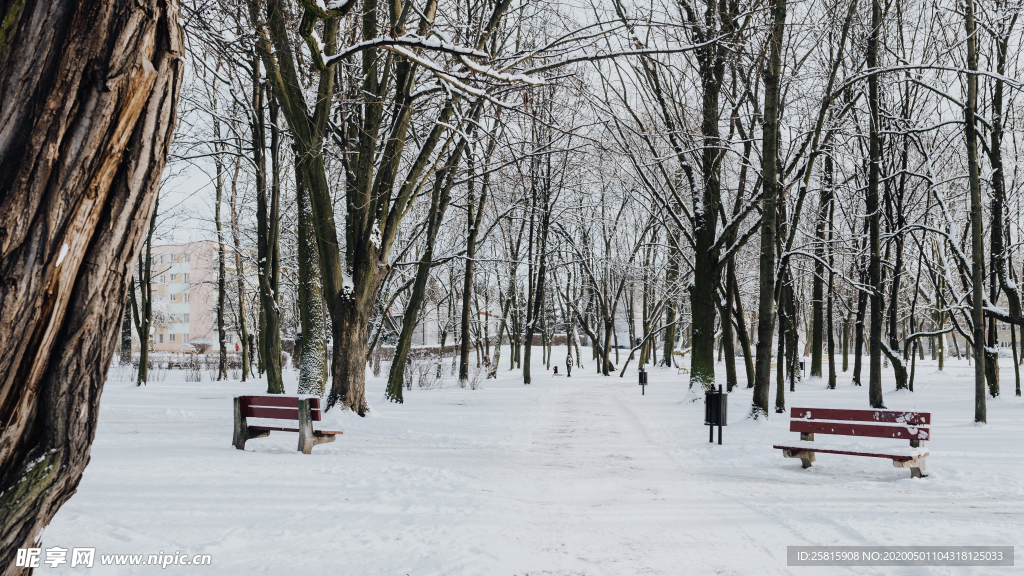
{"points": [[568, 365]]}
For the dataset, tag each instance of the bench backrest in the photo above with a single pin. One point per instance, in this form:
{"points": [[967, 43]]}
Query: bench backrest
{"points": [[277, 407], [873, 423]]}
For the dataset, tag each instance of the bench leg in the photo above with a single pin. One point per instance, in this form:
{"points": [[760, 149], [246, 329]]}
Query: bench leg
{"points": [[807, 458], [306, 439], [307, 436], [916, 467], [241, 429]]}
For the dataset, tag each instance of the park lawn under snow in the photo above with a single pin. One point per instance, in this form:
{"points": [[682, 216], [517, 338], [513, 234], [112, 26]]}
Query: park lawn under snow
{"points": [[578, 475]]}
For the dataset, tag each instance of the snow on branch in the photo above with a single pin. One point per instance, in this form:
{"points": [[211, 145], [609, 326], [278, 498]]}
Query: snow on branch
{"points": [[411, 41], [498, 75], [328, 8]]}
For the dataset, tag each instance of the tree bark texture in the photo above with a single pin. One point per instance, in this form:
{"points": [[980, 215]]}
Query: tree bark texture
{"points": [[88, 94], [312, 313]]}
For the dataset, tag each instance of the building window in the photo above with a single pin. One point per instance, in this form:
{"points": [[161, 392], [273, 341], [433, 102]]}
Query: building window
{"points": [[231, 339], [184, 337], [161, 338], [170, 337], [163, 279], [186, 276], [184, 256], [161, 258], [173, 276], [186, 296], [186, 318]]}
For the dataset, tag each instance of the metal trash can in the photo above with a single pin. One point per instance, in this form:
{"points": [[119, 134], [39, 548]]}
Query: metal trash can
{"points": [[716, 410]]}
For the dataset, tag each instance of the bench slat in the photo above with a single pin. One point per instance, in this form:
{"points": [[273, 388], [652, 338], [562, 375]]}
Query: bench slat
{"points": [[278, 401], [278, 407], [276, 413], [273, 429], [886, 416], [279, 429], [898, 458], [848, 429]]}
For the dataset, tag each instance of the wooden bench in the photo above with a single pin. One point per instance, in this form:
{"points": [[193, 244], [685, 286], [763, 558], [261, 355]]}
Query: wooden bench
{"points": [[862, 423], [304, 410]]}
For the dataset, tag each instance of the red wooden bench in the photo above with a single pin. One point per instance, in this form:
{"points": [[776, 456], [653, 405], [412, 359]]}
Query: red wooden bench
{"points": [[910, 426], [304, 410]]}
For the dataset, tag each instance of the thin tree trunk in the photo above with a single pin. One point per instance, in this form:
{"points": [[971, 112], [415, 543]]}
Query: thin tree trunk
{"points": [[243, 329], [818, 285], [474, 219], [846, 342], [977, 242], [728, 345], [873, 216], [143, 312], [126, 330], [780, 363], [769, 171], [439, 198], [266, 243], [858, 344], [741, 331], [222, 282], [831, 273]]}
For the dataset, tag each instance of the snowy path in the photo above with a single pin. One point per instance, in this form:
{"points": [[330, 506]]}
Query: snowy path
{"points": [[580, 476], [596, 494]]}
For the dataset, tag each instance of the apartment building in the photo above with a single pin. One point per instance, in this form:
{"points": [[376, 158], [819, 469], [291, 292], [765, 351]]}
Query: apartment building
{"points": [[184, 286]]}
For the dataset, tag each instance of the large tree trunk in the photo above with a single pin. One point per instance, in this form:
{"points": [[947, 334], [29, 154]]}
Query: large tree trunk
{"points": [[312, 314], [706, 269], [769, 171], [88, 92]]}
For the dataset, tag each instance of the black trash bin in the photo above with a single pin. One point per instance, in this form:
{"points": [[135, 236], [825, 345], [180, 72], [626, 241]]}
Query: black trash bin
{"points": [[716, 409]]}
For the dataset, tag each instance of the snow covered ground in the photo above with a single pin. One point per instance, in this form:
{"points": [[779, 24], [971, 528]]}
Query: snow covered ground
{"points": [[567, 476]]}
